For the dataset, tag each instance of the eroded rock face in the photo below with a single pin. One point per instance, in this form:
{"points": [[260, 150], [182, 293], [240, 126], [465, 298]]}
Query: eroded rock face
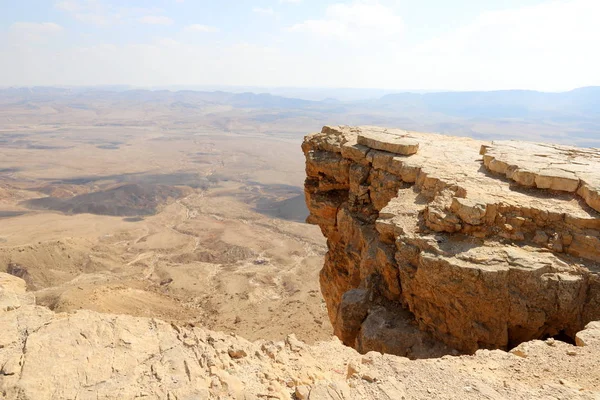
{"points": [[470, 244]]}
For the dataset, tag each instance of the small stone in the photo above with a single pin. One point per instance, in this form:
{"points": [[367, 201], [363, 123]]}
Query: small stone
{"points": [[571, 353], [519, 352], [302, 392], [236, 353], [370, 357], [293, 343], [551, 342], [569, 384], [353, 369], [556, 243], [540, 238], [369, 376], [12, 366], [269, 376]]}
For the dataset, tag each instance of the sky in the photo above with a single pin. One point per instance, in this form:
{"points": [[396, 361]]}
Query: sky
{"points": [[549, 45]]}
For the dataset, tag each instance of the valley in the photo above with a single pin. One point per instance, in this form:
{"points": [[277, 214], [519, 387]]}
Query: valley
{"points": [[183, 223]]}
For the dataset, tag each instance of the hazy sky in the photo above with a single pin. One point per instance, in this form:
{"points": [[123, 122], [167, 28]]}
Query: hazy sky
{"points": [[391, 44]]}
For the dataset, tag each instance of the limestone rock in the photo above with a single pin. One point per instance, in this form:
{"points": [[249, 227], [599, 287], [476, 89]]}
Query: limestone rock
{"points": [[544, 166], [87, 355], [352, 312], [476, 244], [13, 293], [390, 142], [589, 336]]}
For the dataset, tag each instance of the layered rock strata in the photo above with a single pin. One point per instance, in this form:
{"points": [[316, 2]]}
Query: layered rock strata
{"points": [[439, 241]]}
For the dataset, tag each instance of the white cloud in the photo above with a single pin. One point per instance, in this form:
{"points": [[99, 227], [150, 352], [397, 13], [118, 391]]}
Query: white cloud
{"points": [[93, 12], [96, 19], [155, 20], [200, 28], [70, 6], [33, 31], [139, 10], [551, 46], [168, 42], [103, 13], [263, 11], [37, 28], [171, 61], [357, 21]]}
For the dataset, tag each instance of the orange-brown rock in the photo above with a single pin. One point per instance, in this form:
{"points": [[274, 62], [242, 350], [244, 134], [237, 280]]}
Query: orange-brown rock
{"points": [[453, 241]]}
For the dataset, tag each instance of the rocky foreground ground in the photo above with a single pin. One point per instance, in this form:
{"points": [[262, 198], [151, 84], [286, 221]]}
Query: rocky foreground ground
{"points": [[88, 355]]}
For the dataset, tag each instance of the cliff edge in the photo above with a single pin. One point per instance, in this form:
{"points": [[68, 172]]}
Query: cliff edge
{"points": [[440, 244]]}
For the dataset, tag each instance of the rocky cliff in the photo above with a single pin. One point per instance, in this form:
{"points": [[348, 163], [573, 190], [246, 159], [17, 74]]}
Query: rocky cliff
{"points": [[438, 243]]}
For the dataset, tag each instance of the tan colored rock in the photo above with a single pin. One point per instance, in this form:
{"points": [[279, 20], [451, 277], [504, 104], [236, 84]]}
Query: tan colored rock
{"points": [[591, 194], [452, 242], [294, 344], [13, 293], [88, 355], [302, 392], [589, 336], [561, 168], [470, 211], [10, 283], [390, 142]]}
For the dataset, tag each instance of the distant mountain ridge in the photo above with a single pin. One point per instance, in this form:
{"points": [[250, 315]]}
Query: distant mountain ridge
{"points": [[491, 104], [505, 103], [571, 117], [50, 94]]}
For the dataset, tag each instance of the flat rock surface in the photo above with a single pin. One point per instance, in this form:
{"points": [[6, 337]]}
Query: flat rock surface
{"points": [[393, 141], [547, 166]]}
